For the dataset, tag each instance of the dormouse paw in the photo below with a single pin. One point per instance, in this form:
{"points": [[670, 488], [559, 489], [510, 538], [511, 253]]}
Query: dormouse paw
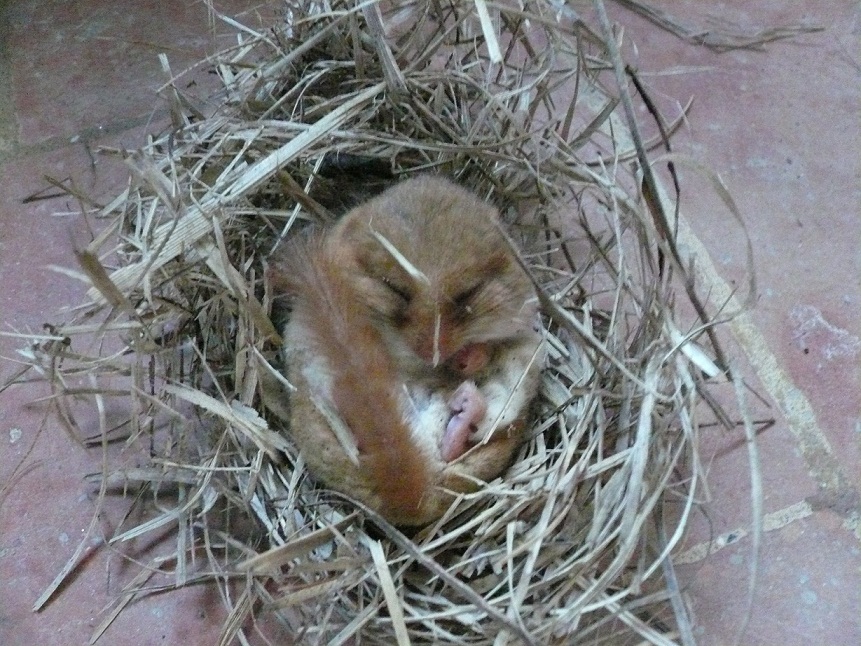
{"points": [[468, 407]]}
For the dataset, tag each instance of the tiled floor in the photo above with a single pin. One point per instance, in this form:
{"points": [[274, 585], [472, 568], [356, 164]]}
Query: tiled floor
{"points": [[782, 129]]}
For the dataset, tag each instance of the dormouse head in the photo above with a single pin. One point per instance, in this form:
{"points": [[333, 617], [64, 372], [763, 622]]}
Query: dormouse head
{"points": [[434, 270]]}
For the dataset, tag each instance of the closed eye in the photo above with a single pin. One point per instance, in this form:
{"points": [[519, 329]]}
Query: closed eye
{"points": [[463, 299], [397, 290]]}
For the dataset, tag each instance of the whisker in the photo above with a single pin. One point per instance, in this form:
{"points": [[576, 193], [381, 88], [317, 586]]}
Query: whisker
{"points": [[436, 327]]}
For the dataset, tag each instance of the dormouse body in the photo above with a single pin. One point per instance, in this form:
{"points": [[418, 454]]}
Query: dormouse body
{"points": [[414, 346]]}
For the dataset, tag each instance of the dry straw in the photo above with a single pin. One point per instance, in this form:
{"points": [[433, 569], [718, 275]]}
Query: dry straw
{"points": [[517, 100]]}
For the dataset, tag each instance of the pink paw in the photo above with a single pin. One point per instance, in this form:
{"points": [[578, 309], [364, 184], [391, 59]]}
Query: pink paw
{"points": [[469, 407]]}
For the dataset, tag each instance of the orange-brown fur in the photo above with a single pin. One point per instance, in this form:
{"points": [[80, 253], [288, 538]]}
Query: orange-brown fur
{"points": [[474, 285], [459, 323], [365, 381]]}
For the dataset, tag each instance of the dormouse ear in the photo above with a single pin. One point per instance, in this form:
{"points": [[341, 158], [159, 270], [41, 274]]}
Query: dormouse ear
{"points": [[348, 231], [353, 243]]}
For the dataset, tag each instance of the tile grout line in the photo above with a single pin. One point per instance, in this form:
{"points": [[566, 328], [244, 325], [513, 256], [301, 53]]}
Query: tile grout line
{"points": [[814, 447], [812, 443], [770, 522]]}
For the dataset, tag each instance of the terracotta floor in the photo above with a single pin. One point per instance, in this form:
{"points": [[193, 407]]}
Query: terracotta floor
{"points": [[782, 128]]}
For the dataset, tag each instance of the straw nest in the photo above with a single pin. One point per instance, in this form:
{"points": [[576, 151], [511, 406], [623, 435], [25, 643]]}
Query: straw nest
{"points": [[572, 544]]}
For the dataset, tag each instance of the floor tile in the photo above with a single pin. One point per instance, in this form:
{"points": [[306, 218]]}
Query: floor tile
{"points": [[92, 63]]}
